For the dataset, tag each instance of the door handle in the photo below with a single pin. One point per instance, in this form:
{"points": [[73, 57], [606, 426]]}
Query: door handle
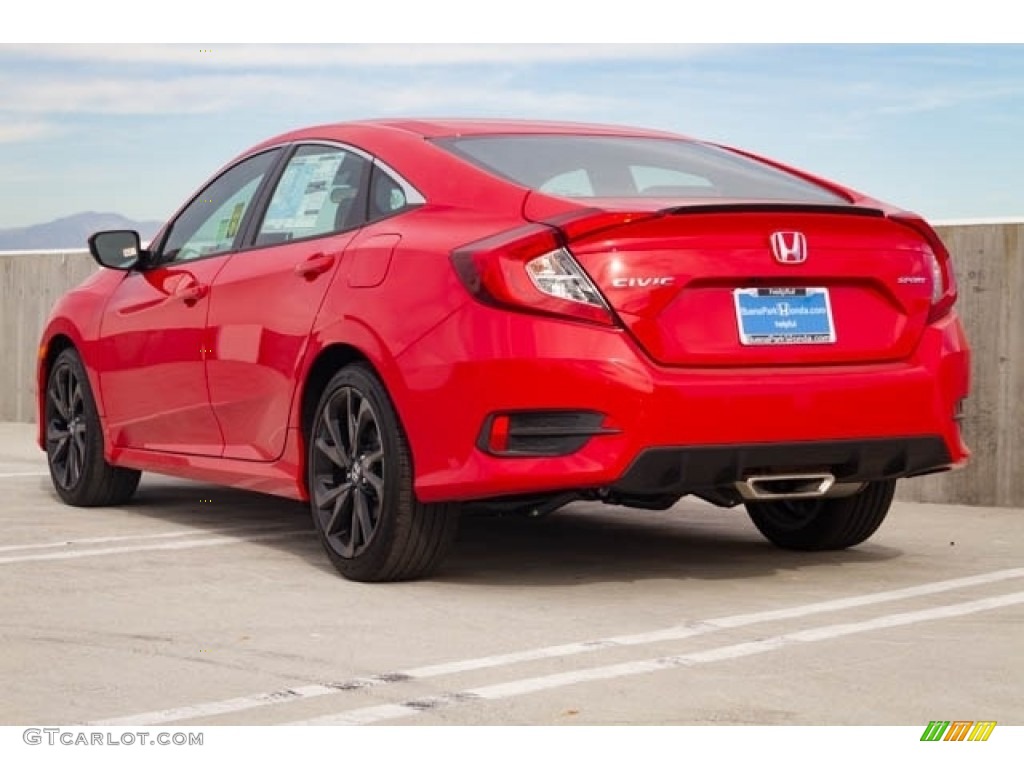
{"points": [[315, 265], [192, 294]]}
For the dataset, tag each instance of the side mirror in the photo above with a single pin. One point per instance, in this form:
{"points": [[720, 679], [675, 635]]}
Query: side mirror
{"points": [[117, 249]]}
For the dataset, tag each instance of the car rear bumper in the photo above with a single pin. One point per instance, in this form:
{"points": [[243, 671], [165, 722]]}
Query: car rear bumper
{"points": [[668, 430], [691, 469]]}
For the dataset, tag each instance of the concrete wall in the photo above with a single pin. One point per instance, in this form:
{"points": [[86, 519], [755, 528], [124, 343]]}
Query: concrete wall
{"points": [[989, 262], [30, 284]]}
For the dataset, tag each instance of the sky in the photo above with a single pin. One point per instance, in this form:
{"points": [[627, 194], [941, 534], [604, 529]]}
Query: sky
{"points": [[135, 129]]}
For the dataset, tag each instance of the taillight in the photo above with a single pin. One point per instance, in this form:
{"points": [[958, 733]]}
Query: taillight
{"points": [[530, 270], [939, 263], [557, 274]]}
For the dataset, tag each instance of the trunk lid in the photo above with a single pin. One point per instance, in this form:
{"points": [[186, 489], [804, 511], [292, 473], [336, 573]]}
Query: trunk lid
{"points": [[703, 285]]}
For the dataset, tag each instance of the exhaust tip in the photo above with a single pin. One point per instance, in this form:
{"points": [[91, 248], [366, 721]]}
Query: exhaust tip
{"points": [[768, 487]]}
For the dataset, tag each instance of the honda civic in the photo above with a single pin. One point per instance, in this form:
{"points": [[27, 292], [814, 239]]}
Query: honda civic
{"points": [[399, 321]]}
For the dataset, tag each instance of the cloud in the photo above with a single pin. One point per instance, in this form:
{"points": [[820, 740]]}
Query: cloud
{"points": [[362, 79], [206, 56], [12, 132], [931, 99], [144, 96], [218, 93], [440, 98]]}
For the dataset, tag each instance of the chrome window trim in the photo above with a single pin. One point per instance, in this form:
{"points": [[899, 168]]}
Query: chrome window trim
{"points": [[412, 195]]}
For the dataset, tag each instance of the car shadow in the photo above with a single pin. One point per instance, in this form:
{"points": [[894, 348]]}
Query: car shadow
{"points": [[211, 508], [592, 543], [580, 544]]}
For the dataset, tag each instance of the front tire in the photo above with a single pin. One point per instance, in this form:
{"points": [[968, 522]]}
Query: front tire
{"points": [[74, 440], [824, 524], [360, 487]]}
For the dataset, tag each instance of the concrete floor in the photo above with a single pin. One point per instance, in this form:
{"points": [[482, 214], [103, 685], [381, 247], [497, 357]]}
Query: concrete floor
{"points": [[202, 605]]}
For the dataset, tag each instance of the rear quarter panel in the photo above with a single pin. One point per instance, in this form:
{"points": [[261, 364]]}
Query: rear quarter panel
{"points": [[420, 291]]}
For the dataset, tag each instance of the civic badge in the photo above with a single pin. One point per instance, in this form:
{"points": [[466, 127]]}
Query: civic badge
{"points": [[789, 247]]}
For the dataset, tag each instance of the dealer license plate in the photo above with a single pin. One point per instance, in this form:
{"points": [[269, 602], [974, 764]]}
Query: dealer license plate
{"points": [[784, 316]]}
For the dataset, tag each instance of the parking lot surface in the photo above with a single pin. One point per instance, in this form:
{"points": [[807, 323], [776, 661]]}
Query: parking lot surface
{"points": [[202, 605]]}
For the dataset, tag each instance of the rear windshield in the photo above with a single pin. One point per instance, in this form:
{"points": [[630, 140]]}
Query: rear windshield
{"points": [[624, 166]]}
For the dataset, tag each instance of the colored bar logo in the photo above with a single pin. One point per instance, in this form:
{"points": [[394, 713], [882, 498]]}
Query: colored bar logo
{"points": [[958, 730]]}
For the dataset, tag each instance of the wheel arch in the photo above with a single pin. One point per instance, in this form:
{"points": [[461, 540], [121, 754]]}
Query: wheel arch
{"points": [[48, 353], [329, 360]]}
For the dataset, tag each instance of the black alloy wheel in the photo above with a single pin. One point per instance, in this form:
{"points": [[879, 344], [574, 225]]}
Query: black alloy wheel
{"points": [[65, 426], [360, 481], [74, 440], [348, 472]]}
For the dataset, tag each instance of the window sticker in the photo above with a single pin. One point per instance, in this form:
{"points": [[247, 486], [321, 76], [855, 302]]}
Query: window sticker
{"points": [[234, 221], [302, 192]]}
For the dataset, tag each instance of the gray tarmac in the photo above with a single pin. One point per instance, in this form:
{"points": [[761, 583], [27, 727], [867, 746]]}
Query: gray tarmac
{"points": [[197, 604]]}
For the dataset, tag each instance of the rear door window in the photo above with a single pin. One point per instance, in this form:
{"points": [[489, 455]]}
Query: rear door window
{"points": [[322, 190]]}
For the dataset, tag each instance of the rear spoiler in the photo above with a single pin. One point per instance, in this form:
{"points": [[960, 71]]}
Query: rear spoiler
{"points": [[589, 221], [846, 210]]}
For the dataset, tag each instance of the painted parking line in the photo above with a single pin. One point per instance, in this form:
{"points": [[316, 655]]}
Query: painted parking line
{"points": [[678, 632], [218, 542], [140, 537], [381, 713], [4, 475]]}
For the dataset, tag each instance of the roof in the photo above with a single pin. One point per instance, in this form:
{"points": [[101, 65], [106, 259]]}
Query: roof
{"points": [[369, 134], [437, 127]]}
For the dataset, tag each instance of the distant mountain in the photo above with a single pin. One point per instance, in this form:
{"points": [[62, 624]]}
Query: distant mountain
{"points": [[70, 232]]}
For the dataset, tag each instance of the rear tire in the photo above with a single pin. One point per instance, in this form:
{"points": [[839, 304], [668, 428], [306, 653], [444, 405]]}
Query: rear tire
{"points": [[823, 524], [74, 440], [361, 486]]}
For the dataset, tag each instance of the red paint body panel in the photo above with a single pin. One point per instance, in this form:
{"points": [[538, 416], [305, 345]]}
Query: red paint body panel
{"points": [[75, 319], [692, 321], [213, 389], [281, 477], [151, 362], [261, 313], [525, 362]]}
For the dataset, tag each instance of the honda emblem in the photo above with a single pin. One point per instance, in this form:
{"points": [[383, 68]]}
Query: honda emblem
{"points": [[789, 247]]}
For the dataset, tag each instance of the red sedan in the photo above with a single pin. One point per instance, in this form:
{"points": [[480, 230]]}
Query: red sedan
{"points": [[401, 320]]}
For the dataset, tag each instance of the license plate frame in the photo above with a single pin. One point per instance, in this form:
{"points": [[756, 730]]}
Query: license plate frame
{"points": [[783, 316]]}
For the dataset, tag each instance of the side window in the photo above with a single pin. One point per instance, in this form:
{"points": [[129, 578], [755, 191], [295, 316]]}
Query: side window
{"points": [[321, 191], [211, 223], [570, 184], [387, 196]]}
